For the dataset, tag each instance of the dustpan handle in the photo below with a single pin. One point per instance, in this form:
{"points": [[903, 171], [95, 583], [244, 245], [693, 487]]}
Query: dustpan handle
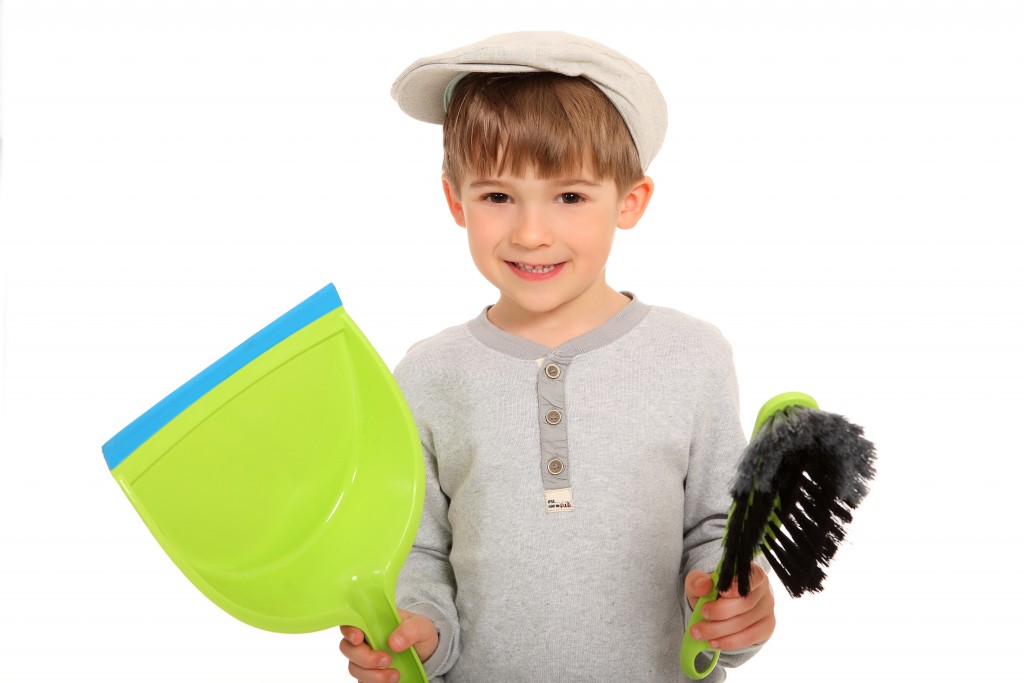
{"points": [[379, 623], [692, 648]]}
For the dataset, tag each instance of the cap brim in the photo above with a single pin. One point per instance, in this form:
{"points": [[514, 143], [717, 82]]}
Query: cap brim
{"points": [[420, 90]]}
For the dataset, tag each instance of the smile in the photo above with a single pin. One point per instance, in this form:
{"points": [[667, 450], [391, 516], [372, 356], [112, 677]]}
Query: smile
{"points": [[535, 272], [534, 269]]}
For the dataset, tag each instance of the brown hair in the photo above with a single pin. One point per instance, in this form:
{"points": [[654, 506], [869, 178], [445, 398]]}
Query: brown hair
{"points": [[556, 124]]}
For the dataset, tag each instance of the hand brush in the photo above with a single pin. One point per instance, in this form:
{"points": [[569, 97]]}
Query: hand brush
{"points": [[800, 477]]}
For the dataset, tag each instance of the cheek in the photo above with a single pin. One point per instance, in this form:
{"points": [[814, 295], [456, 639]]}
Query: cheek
{"points": [[483, 233], [481, 250], [596, 237]]}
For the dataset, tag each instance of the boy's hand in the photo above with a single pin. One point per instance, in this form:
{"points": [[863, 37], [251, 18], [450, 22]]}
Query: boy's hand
{"points": [[732, 622], [371, 666]]}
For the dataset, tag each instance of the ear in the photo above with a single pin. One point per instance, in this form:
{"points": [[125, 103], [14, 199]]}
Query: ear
{"points": [[454, 203], [635, 203]]}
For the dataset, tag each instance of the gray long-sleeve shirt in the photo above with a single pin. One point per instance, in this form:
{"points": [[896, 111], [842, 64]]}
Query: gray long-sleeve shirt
{"points": [[568, 491]]}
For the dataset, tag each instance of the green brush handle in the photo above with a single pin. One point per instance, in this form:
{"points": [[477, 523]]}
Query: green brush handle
{"points": [[781, 402], [693, 647]]}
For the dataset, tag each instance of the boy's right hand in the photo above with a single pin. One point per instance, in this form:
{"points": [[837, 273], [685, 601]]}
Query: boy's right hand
{"points": [[371, 666]]}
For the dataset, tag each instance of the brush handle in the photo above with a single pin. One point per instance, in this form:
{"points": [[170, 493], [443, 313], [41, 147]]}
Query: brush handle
{"points": [[781, 402], [692, 647]]}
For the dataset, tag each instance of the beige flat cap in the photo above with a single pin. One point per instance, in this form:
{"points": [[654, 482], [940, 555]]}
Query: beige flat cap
{"points": [[423, 88]]}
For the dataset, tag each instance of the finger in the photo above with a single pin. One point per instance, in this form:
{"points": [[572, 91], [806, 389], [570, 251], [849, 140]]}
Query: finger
{"points": [[363, 657], [733, 591], [372, 675], [757, 575], [414, 629], [405, 633], [697, 585], [715, 631], [759, 600], [756, 633], [757, 578], [352, 634], [716, 626]]}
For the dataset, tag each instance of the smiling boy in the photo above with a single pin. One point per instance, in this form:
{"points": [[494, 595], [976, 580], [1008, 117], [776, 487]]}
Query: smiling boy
{"points": [[543, 243], [579, 443]]}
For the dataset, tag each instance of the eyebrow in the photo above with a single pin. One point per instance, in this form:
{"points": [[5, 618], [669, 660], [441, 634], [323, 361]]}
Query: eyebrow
{"points": [[483, 182], [576, 181]]}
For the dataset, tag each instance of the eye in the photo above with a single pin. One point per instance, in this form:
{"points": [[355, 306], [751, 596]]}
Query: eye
{"points": [[497, 197], [569, 198]]}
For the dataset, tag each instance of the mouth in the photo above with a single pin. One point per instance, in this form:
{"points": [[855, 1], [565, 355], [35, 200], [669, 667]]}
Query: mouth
{"points": [[535, 271], [532, 268]]}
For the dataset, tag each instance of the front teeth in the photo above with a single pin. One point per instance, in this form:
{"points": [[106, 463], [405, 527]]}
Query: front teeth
{"points": [[534, 269]]}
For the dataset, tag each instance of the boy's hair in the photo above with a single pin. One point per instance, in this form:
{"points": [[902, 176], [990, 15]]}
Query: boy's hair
{"points": [[550, 122]]}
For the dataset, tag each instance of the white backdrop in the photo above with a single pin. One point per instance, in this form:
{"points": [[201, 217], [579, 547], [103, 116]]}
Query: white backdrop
{"points": [[840, 192]]}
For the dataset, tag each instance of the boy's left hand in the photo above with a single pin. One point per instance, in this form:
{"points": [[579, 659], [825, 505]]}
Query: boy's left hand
{"points": [[732, 622]]}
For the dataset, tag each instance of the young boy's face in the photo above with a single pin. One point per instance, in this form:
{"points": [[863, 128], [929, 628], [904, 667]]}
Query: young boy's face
{"points": [[544, 242]]}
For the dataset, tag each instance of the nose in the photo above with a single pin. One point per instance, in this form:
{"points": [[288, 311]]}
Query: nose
{"points": [[530, 229]]}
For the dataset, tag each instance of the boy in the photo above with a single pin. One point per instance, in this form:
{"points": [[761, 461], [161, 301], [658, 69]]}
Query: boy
{"points": [[579, 443]]}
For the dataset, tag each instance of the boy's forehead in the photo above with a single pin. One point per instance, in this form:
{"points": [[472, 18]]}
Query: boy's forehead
{"points": [[420, 89], [584, 176], [584, 171], [499, 169]]}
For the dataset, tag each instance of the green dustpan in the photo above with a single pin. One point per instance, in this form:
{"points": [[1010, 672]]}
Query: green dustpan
{"points": [[285, 480]]}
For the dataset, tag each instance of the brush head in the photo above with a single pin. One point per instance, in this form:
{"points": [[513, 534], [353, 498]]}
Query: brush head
{"points": [[800, 478]]}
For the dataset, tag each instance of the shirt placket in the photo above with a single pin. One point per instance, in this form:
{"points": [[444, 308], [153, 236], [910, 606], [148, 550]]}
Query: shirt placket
{"points": [[553, 420]]}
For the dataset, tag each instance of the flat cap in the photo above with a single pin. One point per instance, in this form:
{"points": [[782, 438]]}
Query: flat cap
{"points": [[422, 90]]}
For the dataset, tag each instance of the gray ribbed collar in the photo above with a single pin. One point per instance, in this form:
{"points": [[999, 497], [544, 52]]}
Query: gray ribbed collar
{"points": [[488, 334]]}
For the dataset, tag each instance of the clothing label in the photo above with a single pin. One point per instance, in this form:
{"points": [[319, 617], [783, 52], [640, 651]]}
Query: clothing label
{"points": [[559, 500]]}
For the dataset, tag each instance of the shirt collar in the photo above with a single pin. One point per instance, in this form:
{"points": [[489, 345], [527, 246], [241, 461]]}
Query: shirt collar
{"points": [[488, 334]]}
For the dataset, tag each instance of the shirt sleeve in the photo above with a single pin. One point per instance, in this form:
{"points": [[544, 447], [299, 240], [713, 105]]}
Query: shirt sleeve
{"points": [[426, 583], [716, 446]]}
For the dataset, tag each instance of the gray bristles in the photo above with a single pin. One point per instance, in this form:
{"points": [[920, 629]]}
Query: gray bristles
{"points": [[799, 479]]}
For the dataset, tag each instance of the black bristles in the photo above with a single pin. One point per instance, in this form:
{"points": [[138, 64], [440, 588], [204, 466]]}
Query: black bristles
{"points": [[800, 478]]}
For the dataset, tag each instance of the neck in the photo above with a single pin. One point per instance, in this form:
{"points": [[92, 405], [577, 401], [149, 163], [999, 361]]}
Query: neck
{"points": [[555, 327]]}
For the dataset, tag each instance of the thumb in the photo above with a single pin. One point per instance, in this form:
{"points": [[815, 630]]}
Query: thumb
{"points": [[697, 585], [415, 630]]}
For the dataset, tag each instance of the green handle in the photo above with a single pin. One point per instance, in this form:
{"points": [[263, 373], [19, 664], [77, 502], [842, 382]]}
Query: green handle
{"points": [[407, 663], [692, 647], [781, 402], [380, 618]]}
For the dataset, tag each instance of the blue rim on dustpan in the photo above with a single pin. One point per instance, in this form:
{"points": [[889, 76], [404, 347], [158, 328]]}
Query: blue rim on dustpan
{"points": [[149, 423]]}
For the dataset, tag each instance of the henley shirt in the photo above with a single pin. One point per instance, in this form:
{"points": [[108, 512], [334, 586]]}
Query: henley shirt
{"points": [[568, 492]]}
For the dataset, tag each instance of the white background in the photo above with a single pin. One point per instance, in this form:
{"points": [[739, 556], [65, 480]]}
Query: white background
{"points": [[841, 191]]}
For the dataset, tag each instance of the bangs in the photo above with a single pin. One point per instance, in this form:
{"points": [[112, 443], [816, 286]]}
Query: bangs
{"points": [[554, 125]]}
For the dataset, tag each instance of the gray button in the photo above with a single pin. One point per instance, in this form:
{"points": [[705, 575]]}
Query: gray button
{"points": [[552, 371], [555, 466], [553, 417]]}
